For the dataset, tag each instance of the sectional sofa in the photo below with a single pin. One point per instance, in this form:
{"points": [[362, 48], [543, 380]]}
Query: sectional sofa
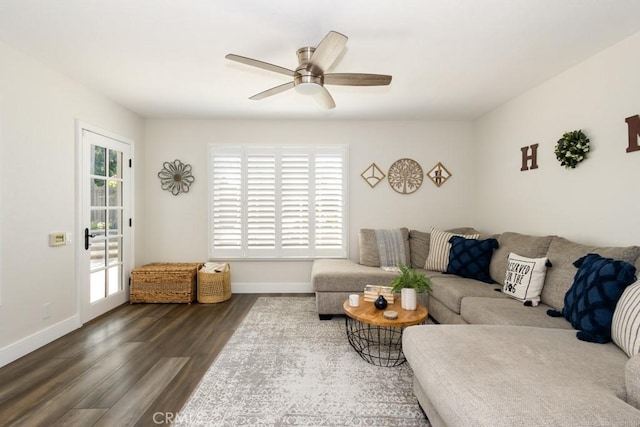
{"points": [[495, 360]]}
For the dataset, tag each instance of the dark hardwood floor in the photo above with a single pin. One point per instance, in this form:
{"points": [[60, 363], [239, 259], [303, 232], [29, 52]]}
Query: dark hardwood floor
{"points": [[136, 365]]}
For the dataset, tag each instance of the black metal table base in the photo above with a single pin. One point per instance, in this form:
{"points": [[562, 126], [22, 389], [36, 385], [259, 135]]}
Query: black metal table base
{"points": [[378, 345]]}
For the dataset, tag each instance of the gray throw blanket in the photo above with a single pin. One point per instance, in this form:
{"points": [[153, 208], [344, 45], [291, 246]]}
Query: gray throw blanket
{"points": [[390, 248]]}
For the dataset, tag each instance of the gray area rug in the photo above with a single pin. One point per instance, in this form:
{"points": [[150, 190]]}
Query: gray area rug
{"points": [[283, 366]]}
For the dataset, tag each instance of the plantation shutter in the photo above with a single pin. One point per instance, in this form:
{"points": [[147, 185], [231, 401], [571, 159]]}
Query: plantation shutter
{"points": [[261, 204], [329, 202], [226, 203], [295, 203], [278, 202]]}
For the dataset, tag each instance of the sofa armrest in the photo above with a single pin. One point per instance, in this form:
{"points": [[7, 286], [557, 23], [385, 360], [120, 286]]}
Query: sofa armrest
{"points": [[632, 380]]}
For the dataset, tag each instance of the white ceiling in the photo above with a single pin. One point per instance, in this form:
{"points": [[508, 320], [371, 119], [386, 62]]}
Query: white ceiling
{"points": [[450, 59]]}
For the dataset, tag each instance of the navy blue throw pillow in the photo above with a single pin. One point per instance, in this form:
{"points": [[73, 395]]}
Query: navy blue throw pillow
{"points": [[592, 298], [470, 258]]}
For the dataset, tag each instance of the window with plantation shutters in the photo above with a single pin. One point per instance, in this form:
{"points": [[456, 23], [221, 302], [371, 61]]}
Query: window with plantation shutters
{"points": [[277, 202]]}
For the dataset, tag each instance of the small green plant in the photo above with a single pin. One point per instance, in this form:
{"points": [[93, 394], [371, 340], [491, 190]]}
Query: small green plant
{"points": [[410, 278]]}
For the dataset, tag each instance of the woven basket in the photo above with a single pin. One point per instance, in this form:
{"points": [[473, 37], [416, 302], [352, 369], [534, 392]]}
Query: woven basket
{"points": [[214, 287], [164, 283]]}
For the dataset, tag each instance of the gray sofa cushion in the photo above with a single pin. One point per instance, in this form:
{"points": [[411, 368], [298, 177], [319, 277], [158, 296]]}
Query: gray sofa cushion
{"points": [[521, 244], [450, 290], [369, 255], [562, 254], [507, 311], [368, 248], [487, 375], [419, 247], [442, 314], [343, 275], [632, 380]]}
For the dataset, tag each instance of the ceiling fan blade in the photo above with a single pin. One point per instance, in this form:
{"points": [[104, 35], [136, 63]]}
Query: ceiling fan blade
{"points": [[260, 64], [356, 79], [273, 91], [328, 51], [324, 98]]}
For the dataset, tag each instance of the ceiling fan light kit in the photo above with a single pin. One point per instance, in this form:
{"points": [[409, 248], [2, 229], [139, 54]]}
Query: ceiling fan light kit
{"points": [[308, 88], [309, 77]]}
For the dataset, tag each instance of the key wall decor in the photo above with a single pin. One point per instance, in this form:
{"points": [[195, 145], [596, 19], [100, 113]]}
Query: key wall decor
{"points": [[526, 157], [405, 176], [572, 148], [439, 174], [373, 175], [633, 123]]}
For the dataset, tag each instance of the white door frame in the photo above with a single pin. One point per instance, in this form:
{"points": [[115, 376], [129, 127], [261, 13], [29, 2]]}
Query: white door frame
{"points": [[79, 235]]}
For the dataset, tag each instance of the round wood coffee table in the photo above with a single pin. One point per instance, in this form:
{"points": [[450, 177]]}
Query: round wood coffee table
{"points": [[376, 339]]}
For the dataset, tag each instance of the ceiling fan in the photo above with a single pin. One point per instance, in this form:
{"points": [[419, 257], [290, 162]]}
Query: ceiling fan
{"points": [[310, 77]]}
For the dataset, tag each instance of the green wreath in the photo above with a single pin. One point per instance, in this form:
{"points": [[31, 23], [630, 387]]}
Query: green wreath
{"points": [[572, 148]]}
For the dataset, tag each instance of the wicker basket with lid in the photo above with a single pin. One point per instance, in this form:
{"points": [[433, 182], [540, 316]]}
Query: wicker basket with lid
{"points": [[164, 283]]}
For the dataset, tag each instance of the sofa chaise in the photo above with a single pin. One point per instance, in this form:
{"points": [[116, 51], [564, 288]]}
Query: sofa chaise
{"points": [[493, 359]]}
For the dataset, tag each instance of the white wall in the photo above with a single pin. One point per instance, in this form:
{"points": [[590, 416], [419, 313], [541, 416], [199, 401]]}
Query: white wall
{"points": [[38, 108], [594, 203], [598, 201], [176, 226]]}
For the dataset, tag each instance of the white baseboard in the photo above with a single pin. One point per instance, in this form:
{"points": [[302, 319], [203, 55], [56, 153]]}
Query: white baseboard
{"points": [[33, 342], [271, 288]]}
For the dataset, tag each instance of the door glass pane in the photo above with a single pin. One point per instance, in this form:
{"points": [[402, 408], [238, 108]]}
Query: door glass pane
{"points": [[115, 193], [115, 164], [97, 286], [115, 222], [97, 253], [98, 160], [115, 282], [98, 221], [115, 254], [98, 188]]}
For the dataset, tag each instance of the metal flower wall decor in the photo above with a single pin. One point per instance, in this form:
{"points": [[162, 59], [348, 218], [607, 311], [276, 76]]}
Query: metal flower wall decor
{"points": [[176, 177]]}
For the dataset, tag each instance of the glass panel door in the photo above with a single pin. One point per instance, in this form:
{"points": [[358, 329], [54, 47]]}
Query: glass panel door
{"points": [[105, 240]]}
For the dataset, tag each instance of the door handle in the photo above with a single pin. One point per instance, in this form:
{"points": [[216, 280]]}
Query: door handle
{"points": [[86, 238]]}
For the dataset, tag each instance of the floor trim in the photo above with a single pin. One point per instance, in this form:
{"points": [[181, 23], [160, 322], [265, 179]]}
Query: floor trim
{"points": [[271, 288], [41, 338], [34, 341]]}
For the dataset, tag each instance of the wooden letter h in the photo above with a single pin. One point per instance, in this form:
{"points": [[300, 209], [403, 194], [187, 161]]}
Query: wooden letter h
{"points": [[526, 157], [634, 132]]}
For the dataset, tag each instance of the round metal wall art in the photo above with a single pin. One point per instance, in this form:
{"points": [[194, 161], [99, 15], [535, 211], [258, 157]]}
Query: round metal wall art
{"points": [[405, 176], [176, 177]]}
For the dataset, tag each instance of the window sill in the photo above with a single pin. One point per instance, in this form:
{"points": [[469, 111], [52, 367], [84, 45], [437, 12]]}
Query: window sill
{"points": [[289, 259]]}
